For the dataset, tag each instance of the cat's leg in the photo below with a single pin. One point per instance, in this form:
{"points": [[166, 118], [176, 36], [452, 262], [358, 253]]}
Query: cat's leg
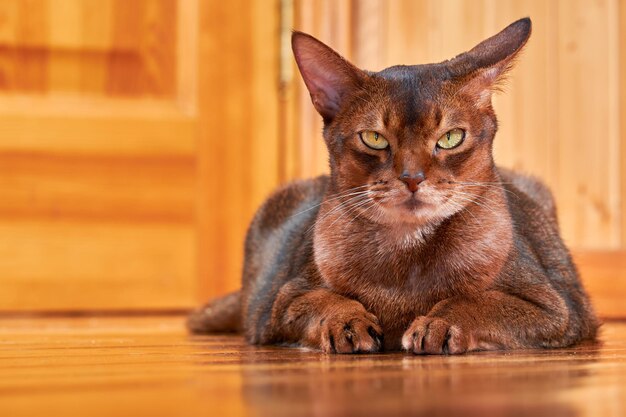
{"points": [[322, 319], [493, 320]]}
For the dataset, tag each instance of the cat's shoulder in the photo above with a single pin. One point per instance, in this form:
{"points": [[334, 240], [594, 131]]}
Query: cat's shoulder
{"points": [[529, 186], [299, 198], [290, 195]]}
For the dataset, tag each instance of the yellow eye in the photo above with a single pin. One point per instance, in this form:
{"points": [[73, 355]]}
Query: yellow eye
{"points": [[452, 139], [374, 140]]}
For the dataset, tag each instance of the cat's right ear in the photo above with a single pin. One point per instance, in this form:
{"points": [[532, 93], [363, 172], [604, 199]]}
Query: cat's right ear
{"points": [[485, 66], [328, 76]]}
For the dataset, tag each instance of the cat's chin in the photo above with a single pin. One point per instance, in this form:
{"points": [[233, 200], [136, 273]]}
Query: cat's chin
{"points": [[412, 210], [415, 205], [412, 216]]}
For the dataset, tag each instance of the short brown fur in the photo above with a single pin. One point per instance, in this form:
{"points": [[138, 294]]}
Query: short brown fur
{"points": [[412, 246]]}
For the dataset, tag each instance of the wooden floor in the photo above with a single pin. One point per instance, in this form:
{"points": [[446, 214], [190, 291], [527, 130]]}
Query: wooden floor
{"points": [[149, 366]]}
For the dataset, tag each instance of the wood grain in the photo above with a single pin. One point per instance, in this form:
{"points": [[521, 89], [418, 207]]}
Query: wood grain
{"points": [[159, 123], [148, 366], [156, 116], [554, 113], [622, 116], [109, 47], [103, 265], [559, 117], [80, 187], [148, 133], [328, 20], [604, 276], [587, 196], [98, 166], [237, 148]]}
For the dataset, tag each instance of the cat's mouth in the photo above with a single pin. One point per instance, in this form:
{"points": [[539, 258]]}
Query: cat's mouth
{"points": [[414, 203], [403, 207]]}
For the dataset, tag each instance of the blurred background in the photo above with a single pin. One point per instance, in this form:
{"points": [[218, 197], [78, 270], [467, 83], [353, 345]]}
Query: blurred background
{"points": [[138, 137]]}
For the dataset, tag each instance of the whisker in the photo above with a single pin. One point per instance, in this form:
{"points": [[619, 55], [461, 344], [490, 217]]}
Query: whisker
{"points": [[353, 204], [490, 186], [478, 203], [349, 201], [475, 189], [350, 210], [478, 197], [337, 196], [482, 182], [497, 185], [363, 209], [461, 209], [343, 205]]}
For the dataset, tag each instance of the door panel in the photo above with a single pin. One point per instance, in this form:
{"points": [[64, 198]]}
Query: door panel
{"points": [[137, 139], [97, 155]]}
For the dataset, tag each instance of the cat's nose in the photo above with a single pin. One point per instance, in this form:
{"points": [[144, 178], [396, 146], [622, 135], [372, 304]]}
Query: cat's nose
{"points": [[412, 180]]}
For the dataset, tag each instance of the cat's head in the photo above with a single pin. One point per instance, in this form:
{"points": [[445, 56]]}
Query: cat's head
{"points": [[413, 141]]}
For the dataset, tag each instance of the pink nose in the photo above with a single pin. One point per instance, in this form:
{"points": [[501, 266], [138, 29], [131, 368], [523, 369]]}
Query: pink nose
{"points": [[412, 181]]}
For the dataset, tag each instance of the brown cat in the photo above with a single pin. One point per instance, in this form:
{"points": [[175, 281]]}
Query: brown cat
{"points": [[416, 234]]}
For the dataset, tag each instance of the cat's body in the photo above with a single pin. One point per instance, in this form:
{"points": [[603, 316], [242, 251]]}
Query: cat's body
{"points": [[409, 243]]}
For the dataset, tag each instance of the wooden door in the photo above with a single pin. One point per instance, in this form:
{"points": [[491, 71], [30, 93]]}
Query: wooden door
{"points": [[126, 159]]}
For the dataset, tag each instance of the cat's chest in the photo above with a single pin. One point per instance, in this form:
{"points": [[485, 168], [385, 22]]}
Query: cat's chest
{"points": [[395, 283], [397, 277]]}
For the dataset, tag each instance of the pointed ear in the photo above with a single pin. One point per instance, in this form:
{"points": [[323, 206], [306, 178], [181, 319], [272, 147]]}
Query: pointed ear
{"points": [[484, 67], [328, 77]]}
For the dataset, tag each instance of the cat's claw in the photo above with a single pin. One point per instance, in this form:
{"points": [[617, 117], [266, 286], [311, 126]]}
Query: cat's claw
{"points": [[358, 333], [435, 336]]}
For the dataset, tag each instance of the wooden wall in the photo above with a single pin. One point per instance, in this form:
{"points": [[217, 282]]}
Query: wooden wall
{"points": [[138, 137], [238, 149], [561, 116]]}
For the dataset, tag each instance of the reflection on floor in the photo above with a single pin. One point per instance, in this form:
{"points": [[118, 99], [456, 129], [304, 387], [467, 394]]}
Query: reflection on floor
{"points": [[149, 366]]}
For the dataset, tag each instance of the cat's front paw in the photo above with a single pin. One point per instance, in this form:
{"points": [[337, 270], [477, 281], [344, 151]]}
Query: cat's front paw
{"points": [[350, 332], [436, 336]]}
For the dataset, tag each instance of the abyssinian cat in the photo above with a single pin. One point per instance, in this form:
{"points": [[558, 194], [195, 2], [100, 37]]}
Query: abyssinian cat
{"points": [[416, 240]]}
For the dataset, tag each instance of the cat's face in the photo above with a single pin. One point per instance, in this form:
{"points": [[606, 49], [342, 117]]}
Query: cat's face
{"points": [[414, 143], [409, 144]]}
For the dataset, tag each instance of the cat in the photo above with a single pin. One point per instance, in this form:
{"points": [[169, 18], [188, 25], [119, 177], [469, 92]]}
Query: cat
{"points": [[416, 240]]}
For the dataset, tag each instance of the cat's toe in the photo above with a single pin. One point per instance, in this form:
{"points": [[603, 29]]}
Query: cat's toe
{"points": [[433, 336], [435, 341], [356, 335], [413, 337], [457, 341], [367, 336]]}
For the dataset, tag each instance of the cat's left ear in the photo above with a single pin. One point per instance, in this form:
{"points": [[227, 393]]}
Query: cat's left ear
{"points": [[329, 78], [481, 69]]}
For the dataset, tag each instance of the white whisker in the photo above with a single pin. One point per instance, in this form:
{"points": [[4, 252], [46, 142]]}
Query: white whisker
{"points": [[350, 210], [478, 203], [496, 185], [332, 197]]}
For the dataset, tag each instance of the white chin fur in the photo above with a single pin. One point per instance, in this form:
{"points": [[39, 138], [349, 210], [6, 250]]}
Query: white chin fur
{"points": [[416, 237]]}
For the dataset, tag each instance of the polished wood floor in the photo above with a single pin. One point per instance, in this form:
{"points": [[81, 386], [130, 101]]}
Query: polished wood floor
{"points": [[149, 366]]}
